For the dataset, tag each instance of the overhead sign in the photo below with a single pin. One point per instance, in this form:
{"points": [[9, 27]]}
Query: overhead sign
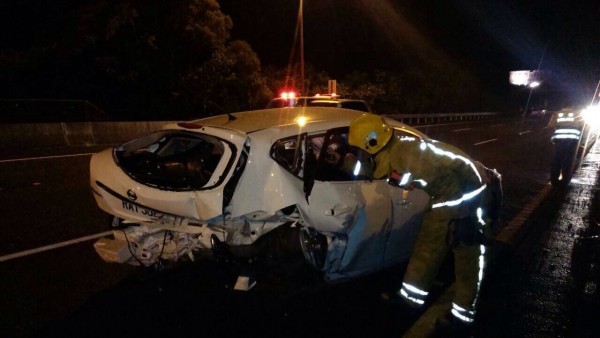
{"points": [[520, 77], [530, 78]]}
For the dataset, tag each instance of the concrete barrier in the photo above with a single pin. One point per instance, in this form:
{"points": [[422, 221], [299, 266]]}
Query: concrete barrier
{"points": [[112, 132], [27, 135], [70, 134], [77, 134]]}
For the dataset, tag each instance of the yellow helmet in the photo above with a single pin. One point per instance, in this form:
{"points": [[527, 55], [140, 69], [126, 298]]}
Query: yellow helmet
{"points": [[369, 132]]}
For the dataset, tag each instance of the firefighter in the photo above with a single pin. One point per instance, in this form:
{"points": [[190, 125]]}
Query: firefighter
{"points": [[455, 219]]}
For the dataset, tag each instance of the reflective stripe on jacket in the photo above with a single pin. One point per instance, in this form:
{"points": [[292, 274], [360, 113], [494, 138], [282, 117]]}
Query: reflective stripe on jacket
{"points": [[446, 172]]}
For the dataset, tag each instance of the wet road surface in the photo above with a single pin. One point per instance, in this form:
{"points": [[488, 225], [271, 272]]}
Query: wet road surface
{"points": [[533, 287], [545, 284]]}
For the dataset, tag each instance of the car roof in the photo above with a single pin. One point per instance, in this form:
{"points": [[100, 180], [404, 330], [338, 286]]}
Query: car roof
{"points": [[317, 118], [251, 121]]}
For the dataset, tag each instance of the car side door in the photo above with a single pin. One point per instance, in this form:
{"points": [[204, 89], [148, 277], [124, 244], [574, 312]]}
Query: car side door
{"points": [[344, 202]]}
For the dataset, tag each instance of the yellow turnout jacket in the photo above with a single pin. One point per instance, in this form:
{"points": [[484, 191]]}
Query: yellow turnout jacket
{"points": [[443, 171]]}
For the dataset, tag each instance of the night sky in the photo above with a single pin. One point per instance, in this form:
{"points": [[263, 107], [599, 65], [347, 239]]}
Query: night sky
{"points": [[489, 38]]}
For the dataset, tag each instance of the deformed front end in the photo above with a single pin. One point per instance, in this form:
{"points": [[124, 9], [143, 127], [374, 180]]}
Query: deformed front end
{"points": [[169, 193]]}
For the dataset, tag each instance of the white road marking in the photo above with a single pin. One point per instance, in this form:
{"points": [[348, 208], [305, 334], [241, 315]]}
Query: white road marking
{"points": [[483, 142], [43, 157], [53, 246], [524, 132], [512, 228], [462, 129]]}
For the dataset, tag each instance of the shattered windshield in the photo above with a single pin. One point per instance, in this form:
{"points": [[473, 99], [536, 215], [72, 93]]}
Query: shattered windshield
{"points": [[171, 160]]}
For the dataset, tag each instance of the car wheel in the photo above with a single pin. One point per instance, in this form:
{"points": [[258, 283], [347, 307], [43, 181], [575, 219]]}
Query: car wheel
{"points": [[314, 247]]}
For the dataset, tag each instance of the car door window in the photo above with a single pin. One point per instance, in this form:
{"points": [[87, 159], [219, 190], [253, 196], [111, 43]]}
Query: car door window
{"points": [[324, 156], [289, 153], [336, 159]]}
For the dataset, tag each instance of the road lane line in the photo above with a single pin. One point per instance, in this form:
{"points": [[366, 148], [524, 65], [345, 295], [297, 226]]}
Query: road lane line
{"points": [[524, 132], [53, 246], [463, 129], [483, 142], [43, 157], [512, 228]]}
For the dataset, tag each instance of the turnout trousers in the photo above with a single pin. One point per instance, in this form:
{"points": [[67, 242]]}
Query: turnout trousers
{"points": [[433, 243]]}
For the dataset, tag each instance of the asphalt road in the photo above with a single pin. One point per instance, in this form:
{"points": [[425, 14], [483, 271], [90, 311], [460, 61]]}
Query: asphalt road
{"points": [[69, 291]]}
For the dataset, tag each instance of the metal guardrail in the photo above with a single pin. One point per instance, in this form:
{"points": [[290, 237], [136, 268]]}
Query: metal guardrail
{"points": [[439, 118]]}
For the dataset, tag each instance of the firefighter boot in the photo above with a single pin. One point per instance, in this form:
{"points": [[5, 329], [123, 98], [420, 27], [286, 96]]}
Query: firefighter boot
{"points": [[394, 299], [450, 326]]}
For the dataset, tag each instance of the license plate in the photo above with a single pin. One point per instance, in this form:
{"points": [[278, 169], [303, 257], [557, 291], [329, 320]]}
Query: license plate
{"points": [[140, 210]]}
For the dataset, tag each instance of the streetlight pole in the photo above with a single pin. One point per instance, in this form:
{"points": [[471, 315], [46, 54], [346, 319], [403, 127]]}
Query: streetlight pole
{"points": [[301, 23]]}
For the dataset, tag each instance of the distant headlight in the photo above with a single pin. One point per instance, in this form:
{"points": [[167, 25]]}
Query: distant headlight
{"points": [[591, 115]]}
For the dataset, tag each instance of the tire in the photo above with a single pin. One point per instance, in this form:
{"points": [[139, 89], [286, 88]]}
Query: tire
{"points": [[314, 247]]}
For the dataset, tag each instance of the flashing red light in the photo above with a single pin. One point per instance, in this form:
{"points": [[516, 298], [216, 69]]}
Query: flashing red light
{"points": [[287, 95]]}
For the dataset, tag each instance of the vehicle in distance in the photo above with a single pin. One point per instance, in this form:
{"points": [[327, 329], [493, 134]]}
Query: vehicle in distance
{"points": [[575, 132], [237, 178], [319, 101], [536, 114]]}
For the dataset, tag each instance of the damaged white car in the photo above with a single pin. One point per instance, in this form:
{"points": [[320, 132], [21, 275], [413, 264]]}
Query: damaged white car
{"points": [[235, 178]]}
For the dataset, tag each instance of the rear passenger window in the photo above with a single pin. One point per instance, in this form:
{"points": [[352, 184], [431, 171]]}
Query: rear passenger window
{"points": [[289, 153]]}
